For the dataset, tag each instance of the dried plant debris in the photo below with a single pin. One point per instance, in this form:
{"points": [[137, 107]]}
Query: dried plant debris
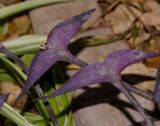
{"points": [[126, 15], [17, 26], [8, 2]]}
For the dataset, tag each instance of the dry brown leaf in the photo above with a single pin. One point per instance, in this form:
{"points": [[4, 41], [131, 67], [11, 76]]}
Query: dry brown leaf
{"points": [[120, 19], [94, 20], [18, 26], [8, 2], [138, 41], [136, 11], [152, 5], [152, 18], [9, 87], [131, 1], [153, 45]]}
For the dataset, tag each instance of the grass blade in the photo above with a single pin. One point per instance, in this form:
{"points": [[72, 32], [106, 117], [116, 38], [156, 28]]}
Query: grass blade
{"points": [[24, 6], [13, 115]]}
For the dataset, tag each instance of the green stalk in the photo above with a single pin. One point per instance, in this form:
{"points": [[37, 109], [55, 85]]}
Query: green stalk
{"points": [[14, 116], [36, 119], [25, 44], [22, 78], [26, 40], [61, 102], [14, 69], [24, 6]]}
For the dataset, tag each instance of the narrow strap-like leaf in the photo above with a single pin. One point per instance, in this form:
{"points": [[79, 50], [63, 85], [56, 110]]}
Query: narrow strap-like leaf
{"points": [[13, 56]]}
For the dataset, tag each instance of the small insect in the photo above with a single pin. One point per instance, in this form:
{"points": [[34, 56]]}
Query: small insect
{"points": [[43, 46]]}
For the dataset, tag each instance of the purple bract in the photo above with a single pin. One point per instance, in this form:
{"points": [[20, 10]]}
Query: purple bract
{"points": [[56, 49], [109, 71]]}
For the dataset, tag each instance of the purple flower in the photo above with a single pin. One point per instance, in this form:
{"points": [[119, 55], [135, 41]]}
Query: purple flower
{"points": [[3, 98], [56, 49], [109, 71]]}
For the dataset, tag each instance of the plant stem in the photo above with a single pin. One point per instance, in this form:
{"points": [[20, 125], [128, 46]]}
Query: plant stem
{"points": [[80, 62], [13, 115], [134, 102], [47, 105], [138, 91], [135, 90]]}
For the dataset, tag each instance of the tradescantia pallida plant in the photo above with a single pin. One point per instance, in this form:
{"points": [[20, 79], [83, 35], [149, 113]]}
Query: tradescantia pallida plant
{"points": [[56, 49], [109, 71]]}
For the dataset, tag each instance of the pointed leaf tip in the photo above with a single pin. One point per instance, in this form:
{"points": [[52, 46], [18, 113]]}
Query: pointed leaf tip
{"points": [[60, 35], [119, 60], [3, 98], [87, 14]]}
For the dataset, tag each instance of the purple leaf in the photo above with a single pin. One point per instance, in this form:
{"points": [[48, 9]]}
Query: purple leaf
{"points": [[55, 50], [118, 61], [3, 98], [61, 34], [90, 74], [156, 93], [109, 71]]}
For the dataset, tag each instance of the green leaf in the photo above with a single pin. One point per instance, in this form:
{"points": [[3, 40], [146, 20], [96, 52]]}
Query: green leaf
{"points": [[60, 104], [24, 6], [27, 58], [25, 44], [5, 76], [3, 28], [14, 116], [36, 119], [21, 77]]}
